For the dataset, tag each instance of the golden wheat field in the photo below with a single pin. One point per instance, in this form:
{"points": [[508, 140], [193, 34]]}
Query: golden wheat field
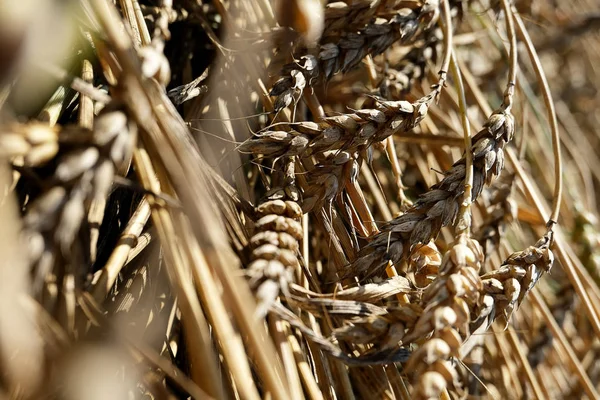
{"points": [[299, 199]]}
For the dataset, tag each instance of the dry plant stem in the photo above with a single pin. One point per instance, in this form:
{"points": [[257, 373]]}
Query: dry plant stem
{"points": [[86, 104], [376, 193], [448, 46], [86, 120], [120, 255], [551, 117], [395, 380], [464, 213], [588, 386], [358, 201], [127, 7], [393, 157], [204, 361], [308, 380], [231, 344], [533, 381], [280, 336], [145, 38], [181, 159], [141, 243], [77, 84]]}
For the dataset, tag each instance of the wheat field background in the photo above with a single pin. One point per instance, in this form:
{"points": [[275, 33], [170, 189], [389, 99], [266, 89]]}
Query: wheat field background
{"points": [[299, 199]]}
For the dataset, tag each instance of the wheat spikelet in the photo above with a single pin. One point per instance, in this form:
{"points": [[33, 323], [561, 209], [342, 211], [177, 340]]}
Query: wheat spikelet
{"points": [[439, 206], [508, 285], [333, 57], [83, 174], [275, 241], [448, 302], [28, 145], [425, 261]]}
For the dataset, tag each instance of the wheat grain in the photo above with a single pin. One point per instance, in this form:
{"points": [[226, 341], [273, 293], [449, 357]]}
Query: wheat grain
{"points": [[350, 49], [439, 206], [82, 175], [28, 145], [448, 302], [509, 284], [275, 241]]}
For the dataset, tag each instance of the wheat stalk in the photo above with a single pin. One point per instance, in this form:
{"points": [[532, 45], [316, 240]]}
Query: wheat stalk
{"points": [[309, 256]]}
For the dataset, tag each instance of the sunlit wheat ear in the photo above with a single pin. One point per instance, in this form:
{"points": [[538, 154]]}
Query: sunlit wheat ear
{"points": [[513, 280], [439, 206], [29, 145], [275, 241], [448, 303], [342, 17], [349, 49], [339, 143], [346, 132]]}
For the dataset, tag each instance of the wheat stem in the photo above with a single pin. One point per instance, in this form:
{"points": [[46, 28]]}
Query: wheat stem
{"points": [[558, 183]]}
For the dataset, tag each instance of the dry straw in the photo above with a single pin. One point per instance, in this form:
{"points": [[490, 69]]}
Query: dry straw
{"points": [[330, 230]]}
